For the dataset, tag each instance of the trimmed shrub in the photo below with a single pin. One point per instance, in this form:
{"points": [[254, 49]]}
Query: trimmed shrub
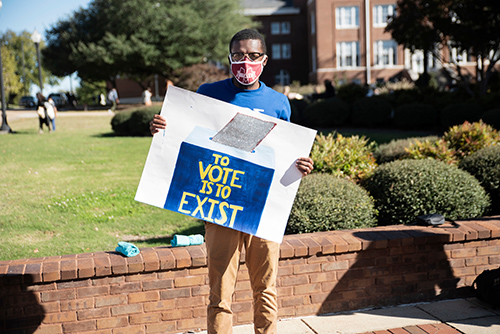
{"points": [[135, 122], [326, 113], [371, 111], [405, 189], [345, 157], [431, 149], [297, 107], [351, 92], [325, 203], [415, 116], [470, 137], [458, 113], [485, 166], [396, 148], [492, 117]]}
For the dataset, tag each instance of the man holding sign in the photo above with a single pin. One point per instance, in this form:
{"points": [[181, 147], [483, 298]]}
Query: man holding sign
{"points": [[224, 245]]}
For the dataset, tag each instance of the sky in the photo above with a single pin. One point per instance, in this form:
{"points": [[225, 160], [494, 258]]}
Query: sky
{"points": [[20, 15]]}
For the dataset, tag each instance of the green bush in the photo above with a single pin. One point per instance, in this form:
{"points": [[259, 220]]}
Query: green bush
{"points": [[458, 113], [351, 92], [325, 203], [135, 122], [415, 116], [405, 189], [428, 148], [371, 111], [492, 117], [396, 149], [326, 113], [468, 138], [298, 107], [345, 157], [485, 166]]}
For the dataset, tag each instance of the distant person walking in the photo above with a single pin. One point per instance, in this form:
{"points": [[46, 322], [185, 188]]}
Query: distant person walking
{"points": [[52, 113], [113, 98], [146, 96], [43, 117]]}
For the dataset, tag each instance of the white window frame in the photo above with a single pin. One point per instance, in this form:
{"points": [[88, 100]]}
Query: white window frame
{"points": [[275, 28], [381, 13], [385, 53], [347, 17], [280, 28], [281, 51], [460, 57], [348, 52], [283, 74]]}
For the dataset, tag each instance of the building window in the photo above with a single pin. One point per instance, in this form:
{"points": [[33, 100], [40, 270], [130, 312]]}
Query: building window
{"points": [[280, 28], [347, 17], [381, 14], [281, 51], [348, 54], [385, 53], [313, 23], [282, 78], [461, 56]]}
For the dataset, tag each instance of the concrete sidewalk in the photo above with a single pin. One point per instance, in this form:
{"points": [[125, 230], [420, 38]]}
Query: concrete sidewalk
{"points": [[469, 316]]}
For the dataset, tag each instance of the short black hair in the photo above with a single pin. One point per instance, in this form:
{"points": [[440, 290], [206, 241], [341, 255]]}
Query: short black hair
{"points": [[246, 34]]}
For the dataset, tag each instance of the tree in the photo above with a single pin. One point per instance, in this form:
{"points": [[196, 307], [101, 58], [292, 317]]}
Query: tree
{"points": [[468, 25], [137, 38], [12, 84], [412, 28], [25, 61]]}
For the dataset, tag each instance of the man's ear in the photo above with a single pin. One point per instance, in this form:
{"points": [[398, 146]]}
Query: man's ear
{"points": [[264, 63]]}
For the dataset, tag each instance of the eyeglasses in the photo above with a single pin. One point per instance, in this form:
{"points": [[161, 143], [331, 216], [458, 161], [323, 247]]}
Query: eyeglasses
{"points": [[239, 56]]}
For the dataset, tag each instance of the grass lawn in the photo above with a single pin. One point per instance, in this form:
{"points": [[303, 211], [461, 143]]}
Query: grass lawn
{"points": [[72, 191]]}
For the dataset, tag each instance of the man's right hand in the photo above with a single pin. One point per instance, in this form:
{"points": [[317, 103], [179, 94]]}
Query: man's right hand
{"points": [[158, 123]]}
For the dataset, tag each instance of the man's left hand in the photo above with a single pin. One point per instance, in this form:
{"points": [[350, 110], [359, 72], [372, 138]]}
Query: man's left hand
{"points": [[304, 165]]}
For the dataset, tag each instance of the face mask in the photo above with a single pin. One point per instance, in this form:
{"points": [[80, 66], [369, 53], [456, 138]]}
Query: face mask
{"points": [[247, 72]]}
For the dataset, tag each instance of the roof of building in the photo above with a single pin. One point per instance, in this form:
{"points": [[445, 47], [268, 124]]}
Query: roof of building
{"points": [[268, 7]]}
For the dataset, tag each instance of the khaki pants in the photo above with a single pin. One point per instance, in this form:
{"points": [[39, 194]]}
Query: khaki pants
{"points": [[224, 246]]}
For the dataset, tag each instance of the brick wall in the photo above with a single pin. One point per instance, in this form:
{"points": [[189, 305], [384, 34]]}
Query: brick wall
{"points": [[164, 290]]}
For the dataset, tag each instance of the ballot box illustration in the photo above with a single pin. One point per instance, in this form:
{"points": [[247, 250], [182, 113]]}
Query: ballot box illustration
{"points": [[224, 177]]}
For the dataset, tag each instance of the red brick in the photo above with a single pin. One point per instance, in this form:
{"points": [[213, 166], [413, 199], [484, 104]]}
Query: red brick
{"points": [[126, 309], [139, 329], [167, 260], [125, 288], [80, 326], [341, 246], [189, 302], [494, 229], [192, 323], [307, 289], [198, 256], [145, 318], [353, 243], [110, 300], [135, 264], [92, 291], [299, 248], [294, 280], [77, 304], [69, 269], [159, 284], [465, 252], [489, 250], [34, 270], [85, 267], [51, 271], [182, 257], [58, 295], [286, 250], [59, 317], [181, 282], [176, 314], [118, 264], [151, 260], [49, 329], [113, 322], [339, 265], [93, 313], [312, 246], [164, 327], [175, 293], [141, 297], [162, 305], [327, 246]]}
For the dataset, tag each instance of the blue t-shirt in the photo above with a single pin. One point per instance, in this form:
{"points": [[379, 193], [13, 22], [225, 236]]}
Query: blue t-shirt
{"points": [[263, 99]]}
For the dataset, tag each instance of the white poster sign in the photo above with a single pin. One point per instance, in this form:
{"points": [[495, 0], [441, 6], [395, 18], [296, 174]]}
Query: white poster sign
{"points": [[224, 164]]}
